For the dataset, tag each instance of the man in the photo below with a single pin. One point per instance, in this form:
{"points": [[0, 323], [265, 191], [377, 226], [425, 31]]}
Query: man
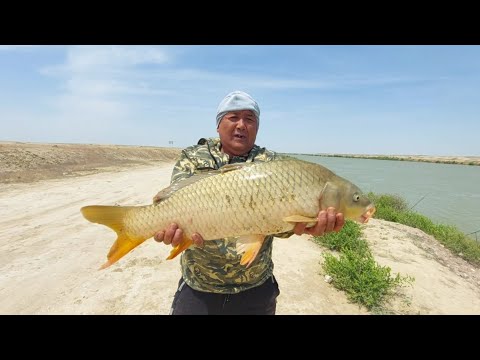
{"points": [[213, 281]]}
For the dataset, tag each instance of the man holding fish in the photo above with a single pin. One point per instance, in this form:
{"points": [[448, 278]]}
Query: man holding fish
{"points": [[216, 278]]}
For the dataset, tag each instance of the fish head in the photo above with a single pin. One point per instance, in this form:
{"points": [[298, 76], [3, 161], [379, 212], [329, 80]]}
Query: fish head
{"points": [[348, 199]]}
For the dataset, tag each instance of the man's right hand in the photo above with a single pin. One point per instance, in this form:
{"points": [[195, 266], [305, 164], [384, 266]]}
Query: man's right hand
{"points": [[174, 235]]}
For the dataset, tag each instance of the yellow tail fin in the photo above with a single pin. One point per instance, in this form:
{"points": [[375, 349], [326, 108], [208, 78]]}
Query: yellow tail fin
{"points": [[113, 217]]}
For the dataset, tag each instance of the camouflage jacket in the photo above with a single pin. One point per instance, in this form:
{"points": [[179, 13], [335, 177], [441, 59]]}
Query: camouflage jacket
{"points": [[216, 267]]}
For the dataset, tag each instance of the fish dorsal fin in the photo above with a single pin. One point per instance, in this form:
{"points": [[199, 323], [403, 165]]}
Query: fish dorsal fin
{"points": [[235, 166], [199, 175], [168, 191]]}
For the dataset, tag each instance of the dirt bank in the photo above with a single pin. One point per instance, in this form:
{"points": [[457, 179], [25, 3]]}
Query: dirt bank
{"points": [[29, 162]]}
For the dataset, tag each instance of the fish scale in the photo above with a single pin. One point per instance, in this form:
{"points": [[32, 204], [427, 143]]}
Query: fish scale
{"points": [[246, 201]]}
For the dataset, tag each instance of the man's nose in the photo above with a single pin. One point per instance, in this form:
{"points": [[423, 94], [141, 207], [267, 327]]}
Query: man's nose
{"points": [[241, 124]]}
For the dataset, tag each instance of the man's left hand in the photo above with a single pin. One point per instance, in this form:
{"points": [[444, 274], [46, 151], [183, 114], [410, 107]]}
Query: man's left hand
{"points": [[328, 221]]}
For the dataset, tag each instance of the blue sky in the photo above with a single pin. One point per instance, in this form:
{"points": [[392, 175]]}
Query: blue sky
{"points": [[313, 99]]}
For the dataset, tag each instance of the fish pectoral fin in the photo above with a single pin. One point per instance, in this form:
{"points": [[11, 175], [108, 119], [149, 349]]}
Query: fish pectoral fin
{"points": [[249, 245], [183, 245], [299, 219]]}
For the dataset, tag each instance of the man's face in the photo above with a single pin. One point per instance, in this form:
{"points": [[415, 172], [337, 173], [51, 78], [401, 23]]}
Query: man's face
{"points": [[238, 131]]}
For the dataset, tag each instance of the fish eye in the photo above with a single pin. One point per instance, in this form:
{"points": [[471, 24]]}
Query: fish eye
{"points": [[356, 197]]}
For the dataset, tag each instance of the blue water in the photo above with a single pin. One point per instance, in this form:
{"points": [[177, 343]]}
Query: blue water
{"points": [[451, 192]]}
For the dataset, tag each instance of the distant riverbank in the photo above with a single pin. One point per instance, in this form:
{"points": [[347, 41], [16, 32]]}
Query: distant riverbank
{"points": [[459, 160], [26, 162]]}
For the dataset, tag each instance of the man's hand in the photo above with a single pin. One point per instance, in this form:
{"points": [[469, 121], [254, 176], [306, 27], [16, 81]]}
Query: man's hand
{"points": [[173, 235], [328, 221]]}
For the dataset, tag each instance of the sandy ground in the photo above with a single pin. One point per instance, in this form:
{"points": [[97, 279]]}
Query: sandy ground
{"points": [[49, 256]]}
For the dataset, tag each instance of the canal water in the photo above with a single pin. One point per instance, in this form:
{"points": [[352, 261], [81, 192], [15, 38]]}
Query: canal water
{"points": [[446, 193]]}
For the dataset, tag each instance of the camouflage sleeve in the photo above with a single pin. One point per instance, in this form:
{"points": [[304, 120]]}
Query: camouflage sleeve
{"points": [[182, 169]]}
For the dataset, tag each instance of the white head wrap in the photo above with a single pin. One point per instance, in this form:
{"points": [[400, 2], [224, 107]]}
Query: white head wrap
{"points": [[237, 100]]}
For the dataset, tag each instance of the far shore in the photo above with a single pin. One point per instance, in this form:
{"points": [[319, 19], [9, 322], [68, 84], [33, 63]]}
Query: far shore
{"points": [[27, 162], [459, 160]]}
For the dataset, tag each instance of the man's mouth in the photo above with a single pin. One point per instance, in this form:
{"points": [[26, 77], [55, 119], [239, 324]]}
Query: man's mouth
{"points": [[239, 136]]}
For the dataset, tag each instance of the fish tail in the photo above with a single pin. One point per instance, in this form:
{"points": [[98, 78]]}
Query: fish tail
{"points": [[113, 217]]}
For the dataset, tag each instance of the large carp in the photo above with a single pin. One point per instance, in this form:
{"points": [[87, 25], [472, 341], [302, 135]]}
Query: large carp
{"points": [[246, 201]]}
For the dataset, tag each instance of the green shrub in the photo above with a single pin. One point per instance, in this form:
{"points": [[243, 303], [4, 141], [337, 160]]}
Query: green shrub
{"points": [[348, 238], [383, 201], [395, 209], [364, 281], [355, 271]]}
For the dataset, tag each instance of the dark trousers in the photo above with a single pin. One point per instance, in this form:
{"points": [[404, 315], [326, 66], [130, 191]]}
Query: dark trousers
{"points": [[260, 300]]}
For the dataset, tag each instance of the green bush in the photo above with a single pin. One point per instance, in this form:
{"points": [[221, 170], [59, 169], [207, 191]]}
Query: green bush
{"points": [[384, 201], [355, 271], [364, 281], [348, 238]]}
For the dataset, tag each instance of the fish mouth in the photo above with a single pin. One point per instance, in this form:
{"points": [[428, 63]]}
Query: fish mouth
{"points": [[368, 214]]}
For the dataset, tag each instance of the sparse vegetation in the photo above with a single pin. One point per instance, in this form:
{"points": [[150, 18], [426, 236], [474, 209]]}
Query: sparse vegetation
{"points": [[393, 208], [364, 281], [355, 270]]}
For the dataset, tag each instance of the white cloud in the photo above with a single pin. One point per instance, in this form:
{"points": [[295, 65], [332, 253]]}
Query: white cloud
{"points": [[259, 81], [88, 58], [105, 61], [95, 80], [17, 47]]}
